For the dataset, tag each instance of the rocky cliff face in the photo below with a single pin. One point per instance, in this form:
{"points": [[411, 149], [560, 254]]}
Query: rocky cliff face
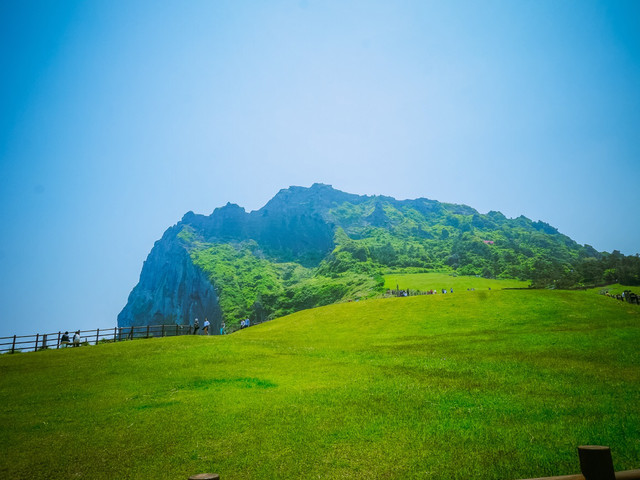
{"points": [[172, 290]]}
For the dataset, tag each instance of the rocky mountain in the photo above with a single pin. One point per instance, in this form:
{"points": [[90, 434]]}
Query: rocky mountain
{"points": [[312, 246], [172, 290]]}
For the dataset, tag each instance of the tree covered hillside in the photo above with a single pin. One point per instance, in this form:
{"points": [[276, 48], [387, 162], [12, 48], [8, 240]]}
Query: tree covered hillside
{"points": [[309, 247]]}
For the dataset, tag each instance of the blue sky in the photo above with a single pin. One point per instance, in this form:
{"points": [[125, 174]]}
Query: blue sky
{"points": [[117, 117]]}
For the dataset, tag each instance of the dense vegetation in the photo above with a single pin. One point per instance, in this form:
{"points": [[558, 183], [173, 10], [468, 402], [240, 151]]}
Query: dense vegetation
{"points": [[316, 246], [484, 384], [249, 285], [605, 268]]}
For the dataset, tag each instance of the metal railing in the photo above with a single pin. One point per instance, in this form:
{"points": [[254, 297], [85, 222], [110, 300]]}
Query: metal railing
{"points": [[45, 341], [33, 343]]}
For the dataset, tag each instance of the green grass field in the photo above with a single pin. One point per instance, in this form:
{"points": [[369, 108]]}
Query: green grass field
{"points": [[614, 289], [485, 384], [437, 281]]}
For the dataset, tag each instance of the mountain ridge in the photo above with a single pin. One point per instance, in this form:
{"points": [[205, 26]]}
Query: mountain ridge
{"points": [[310, 246]]}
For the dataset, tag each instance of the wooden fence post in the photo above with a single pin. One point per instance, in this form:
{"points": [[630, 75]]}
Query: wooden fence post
{"points": [[115, 334], [58, 346], [596, 462], [44, 341], [176, 329], [163, 330], [13, 347], [37, 338], [147, 331], [97, 335]]}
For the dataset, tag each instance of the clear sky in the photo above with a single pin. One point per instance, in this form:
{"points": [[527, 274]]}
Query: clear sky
{"points": [[119, 116]]}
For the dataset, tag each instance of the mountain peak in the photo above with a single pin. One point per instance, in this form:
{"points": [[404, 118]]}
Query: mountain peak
{"points": [[318, 196]]}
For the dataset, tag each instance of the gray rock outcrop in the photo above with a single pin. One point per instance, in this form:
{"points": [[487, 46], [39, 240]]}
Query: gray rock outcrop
{"points": [[172, 290]]}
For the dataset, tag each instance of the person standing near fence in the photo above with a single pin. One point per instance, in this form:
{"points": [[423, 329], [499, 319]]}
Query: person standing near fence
{"points": [[205, 328], [76, 339], [196, 327]]}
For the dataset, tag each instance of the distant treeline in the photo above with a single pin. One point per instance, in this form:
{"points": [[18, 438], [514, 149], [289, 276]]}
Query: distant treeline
{"points": [[606, 269]]}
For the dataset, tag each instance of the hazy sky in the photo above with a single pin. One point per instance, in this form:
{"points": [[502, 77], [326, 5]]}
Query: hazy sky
{"points": [[117, 117]]}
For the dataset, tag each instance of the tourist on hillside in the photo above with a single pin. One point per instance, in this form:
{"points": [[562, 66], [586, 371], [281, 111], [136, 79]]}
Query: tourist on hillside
{"points": [[241, 324], [76, 339], [65, 339], [196, 327], [247, 322], [206, 326], [222, 327]]}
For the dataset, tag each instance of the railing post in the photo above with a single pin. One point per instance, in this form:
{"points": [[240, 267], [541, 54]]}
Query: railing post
{"points": [[176, 329], [115, 334], [44, 341], [13, 347], [37, 338], [97, 335], [596, 462], [147, 331], [163, 330], [58, 345]]}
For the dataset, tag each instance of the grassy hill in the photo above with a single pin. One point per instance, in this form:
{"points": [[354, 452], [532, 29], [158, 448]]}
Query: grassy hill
{"points": [[437, 281], [484, 384], [311, 247]]}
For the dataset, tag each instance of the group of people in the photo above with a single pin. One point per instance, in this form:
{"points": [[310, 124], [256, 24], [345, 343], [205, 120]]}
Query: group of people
{"points": [[411, 293], [205, 327], [626, 296], [65, 341], [223, 328]]}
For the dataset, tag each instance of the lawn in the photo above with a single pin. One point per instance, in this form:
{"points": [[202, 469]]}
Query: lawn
{"points": [[438, 281], [614, 289], [480, 384]]}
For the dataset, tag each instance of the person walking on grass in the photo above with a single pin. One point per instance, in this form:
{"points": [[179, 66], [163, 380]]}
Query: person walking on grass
{"points": [[206, 327], [196, 327]]}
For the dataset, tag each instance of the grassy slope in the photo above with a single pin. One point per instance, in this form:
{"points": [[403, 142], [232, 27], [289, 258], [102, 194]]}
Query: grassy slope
{"points": [[614, 289], [438, 281], [492, 385]]}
